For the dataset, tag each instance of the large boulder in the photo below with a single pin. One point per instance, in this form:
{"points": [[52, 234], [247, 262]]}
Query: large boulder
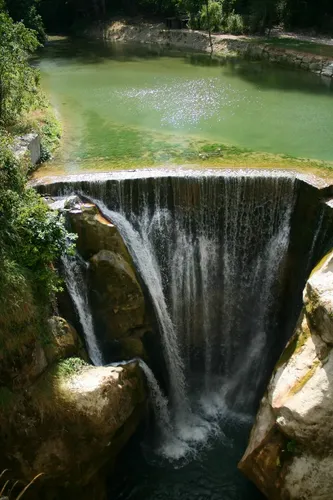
{"points": [[72, 420], [290, 453], [95, 233], [116, 296]]}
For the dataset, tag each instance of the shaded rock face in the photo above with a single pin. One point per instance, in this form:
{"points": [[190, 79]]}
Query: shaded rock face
{"points": [[290, 453], [116, 297], [64, 418], [71, 421], [95, 233]]}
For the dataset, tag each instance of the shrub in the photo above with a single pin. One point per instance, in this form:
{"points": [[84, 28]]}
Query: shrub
{"points": [[213, 20], [234, 24], [31, 235], [18, 80]]}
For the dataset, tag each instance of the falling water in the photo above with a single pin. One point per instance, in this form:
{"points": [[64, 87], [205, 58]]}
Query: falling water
{"points": [[143, 253], [76, 286], [212, 253], [159, 401]]}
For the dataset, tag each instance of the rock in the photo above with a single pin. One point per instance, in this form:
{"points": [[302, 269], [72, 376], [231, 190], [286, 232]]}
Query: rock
{"points": [[310, 477], [132, 348], [318, 300], [294, 426], [327, 70], [71, 421], [95, 233], [63, 341], [261, 461], [29, 143], [315, 66], [116, 296]]}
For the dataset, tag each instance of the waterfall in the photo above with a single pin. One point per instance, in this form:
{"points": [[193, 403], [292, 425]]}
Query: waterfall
{"points": [[159, 401], [144, 256], [77, 289], [220, 255], [214, 252], [211, 251]]}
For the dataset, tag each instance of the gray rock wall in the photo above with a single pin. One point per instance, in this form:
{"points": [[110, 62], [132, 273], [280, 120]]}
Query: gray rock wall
{"points": [[29, 143]]}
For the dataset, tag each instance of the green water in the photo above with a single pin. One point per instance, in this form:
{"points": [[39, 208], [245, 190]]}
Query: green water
{"points": [[129, 106]]}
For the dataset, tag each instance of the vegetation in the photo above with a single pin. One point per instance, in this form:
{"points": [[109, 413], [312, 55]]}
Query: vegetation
{"points": [[229, 15], [32, 237], [18, 80], [234, 16]]}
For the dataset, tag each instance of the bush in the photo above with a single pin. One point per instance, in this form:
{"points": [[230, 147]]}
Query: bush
{"points": [[18, 80], [214, 19], [234, 24], [32, 236]]}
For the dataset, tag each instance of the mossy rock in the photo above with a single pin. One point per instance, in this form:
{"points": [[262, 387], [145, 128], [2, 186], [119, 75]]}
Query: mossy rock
{"points": [[63, 341], [72, 421]]}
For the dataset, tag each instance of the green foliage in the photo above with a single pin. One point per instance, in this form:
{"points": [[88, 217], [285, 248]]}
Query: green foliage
{"points": [[70, 366], [18, 80], [211, 16], [263, 15], [32, 236], [234, 24], [26, 11]]}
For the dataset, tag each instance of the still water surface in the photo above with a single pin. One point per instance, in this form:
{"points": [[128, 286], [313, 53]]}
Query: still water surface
{"points": [[125, 106]]}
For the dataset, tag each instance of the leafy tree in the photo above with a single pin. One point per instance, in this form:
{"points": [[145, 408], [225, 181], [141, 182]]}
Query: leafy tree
{"points": [[18, 80], [211, 16], [263, 15], [27, 12]]}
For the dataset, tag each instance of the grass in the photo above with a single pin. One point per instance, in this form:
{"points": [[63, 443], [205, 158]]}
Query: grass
{"points": [[298, 45]]}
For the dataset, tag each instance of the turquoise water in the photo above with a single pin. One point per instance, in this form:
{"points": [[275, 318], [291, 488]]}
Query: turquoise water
{"points": [[123, 105]]}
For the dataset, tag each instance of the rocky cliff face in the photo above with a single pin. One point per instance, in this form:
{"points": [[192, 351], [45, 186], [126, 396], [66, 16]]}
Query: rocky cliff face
{"points": [[290, 453], [65, 418], [60, 416]]}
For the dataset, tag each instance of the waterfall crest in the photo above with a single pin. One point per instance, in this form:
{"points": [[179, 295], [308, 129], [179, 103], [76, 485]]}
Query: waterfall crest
{"points": [[75, 282]]}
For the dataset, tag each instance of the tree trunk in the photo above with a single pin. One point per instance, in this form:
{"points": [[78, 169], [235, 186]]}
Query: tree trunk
{"points": [[209, 28]]}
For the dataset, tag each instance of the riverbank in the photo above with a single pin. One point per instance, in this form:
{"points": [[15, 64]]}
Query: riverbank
{"points": [[223, 46]]}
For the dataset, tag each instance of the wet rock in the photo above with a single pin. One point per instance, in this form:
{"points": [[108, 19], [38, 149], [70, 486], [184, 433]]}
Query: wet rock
{"points": [[328, 70], [318, 300]]}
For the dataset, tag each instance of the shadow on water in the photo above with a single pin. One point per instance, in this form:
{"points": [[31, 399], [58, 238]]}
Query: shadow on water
{"points": [[258, 73]]}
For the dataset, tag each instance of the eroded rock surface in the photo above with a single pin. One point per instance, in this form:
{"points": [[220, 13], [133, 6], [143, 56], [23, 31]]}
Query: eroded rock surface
{"points": [[290, 453], [116, 295], [72, 420]]}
